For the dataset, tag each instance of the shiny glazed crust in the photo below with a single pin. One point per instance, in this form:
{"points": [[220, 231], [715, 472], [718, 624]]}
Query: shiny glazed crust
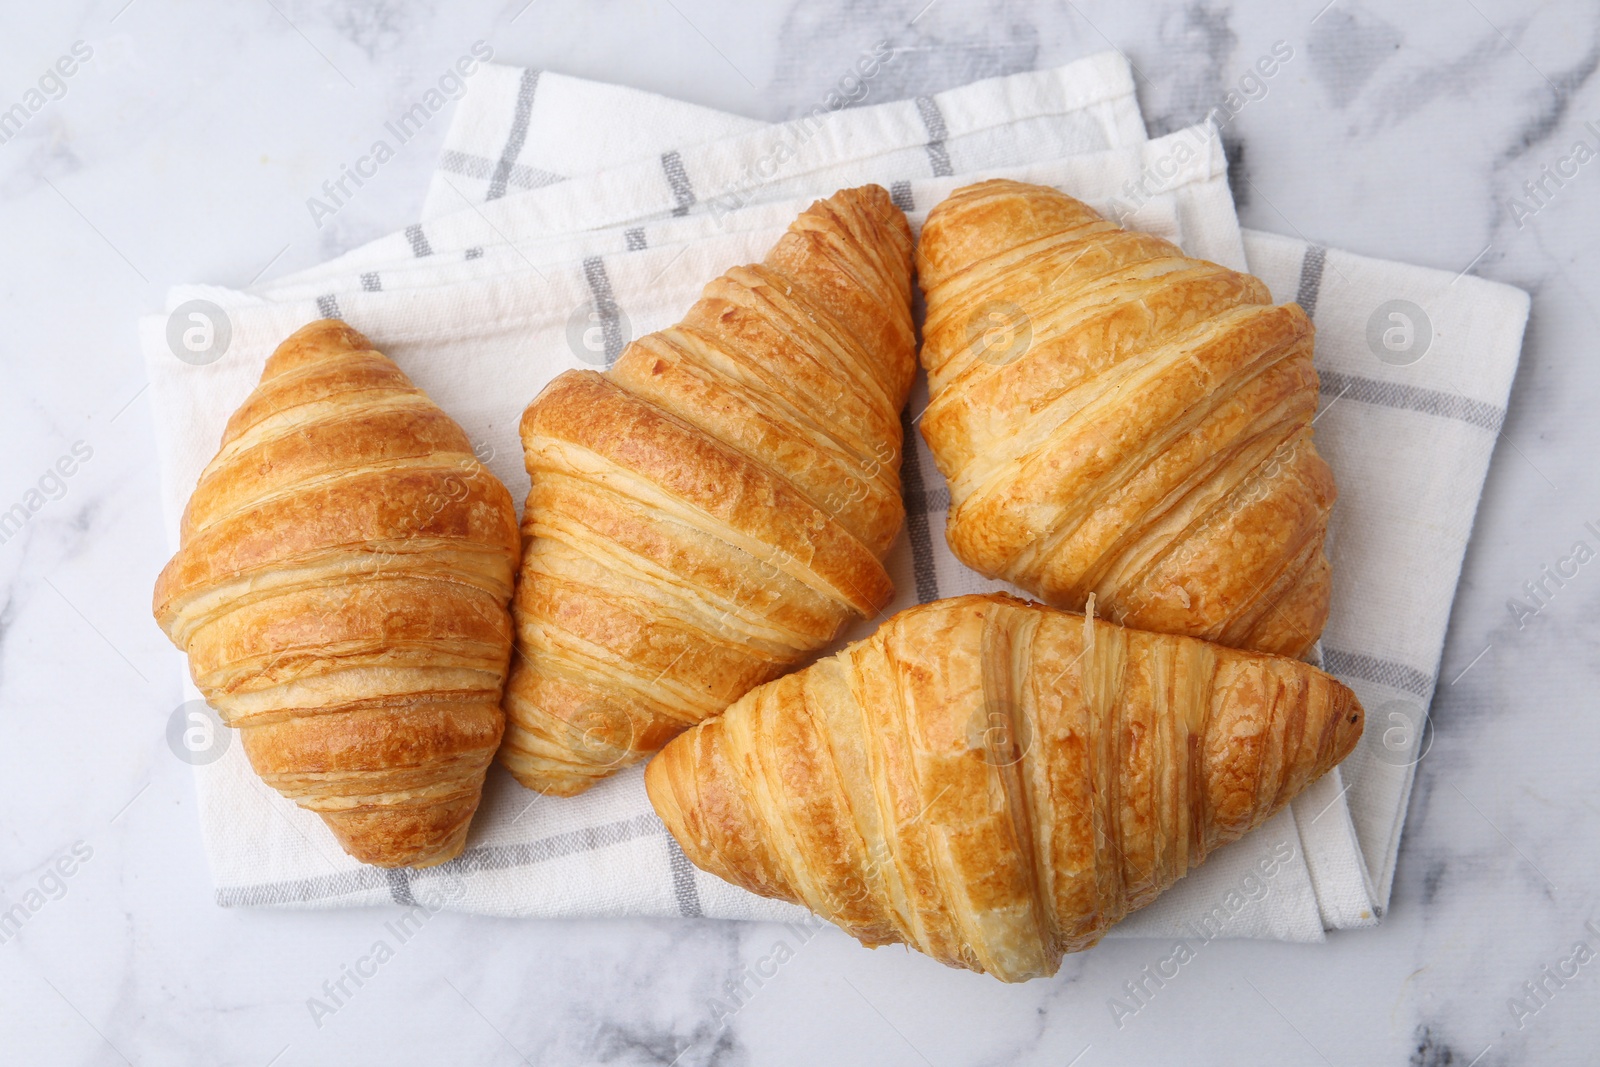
{"points": [[715, 507], [1117, 419], [341, 591], [994, 782]]}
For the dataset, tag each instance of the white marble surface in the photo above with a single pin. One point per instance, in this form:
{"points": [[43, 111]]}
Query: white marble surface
{"points": [[184, 149]]}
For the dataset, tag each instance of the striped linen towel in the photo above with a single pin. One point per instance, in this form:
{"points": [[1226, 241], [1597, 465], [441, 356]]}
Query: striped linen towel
{"points": [[607, 206]]}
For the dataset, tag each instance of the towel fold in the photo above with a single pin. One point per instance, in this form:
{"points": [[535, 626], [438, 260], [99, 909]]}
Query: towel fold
{"points": [[560, 202]]}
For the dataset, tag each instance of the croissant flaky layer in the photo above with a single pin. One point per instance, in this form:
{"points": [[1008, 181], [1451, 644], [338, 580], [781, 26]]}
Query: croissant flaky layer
{"points": [[995, 782], [1117, 419], [341, 590], [716, 506]]}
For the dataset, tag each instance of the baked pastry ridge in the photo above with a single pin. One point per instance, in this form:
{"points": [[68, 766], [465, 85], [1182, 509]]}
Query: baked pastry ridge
{"points": [[341, 591], [1118, 419], [994, 782], [715, 507]]}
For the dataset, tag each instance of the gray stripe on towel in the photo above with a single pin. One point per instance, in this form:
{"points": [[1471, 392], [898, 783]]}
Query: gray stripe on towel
{"points": [[400, 886], [1413, 398], [1399, 676], [303, 890], [419, 241], [933, 119], [481, 858], [916, 496], [927, 501], [678, 179], [683, 886], [900, 195], [1311, 265], [605, 305], [520, 175], [518, 134]]}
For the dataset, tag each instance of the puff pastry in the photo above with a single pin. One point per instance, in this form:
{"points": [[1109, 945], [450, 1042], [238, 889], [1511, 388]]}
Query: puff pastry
{"points": [[341, 590], [714, 507], [1116, 418], [994, 782]]}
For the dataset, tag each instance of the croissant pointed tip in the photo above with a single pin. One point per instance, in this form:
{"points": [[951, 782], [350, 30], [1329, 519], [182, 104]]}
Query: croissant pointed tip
{"points": [[661, 777], [314, 341], [416, 836], [548, 779], [658, 788], [1349, 723], [325, 332]]}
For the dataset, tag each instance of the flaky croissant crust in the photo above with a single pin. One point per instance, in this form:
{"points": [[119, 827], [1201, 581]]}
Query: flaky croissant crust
{"points": [[714, 507], [1118, 419], [341, 590], [995, 782]]}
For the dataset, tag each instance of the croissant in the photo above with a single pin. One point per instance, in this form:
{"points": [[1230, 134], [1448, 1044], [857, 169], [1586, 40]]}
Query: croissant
{"points": [[1117, 419], [715, 506], [994, 782], [341, 592]]}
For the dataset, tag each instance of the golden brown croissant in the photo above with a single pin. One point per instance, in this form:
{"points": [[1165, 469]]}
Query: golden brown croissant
{"points": [[715, 506], [994, 782], [341, 592], [1116, 418]]}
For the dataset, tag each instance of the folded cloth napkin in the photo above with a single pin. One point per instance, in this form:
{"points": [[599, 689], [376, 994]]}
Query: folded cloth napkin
{"points": [[490, 300], [1083, 107]]}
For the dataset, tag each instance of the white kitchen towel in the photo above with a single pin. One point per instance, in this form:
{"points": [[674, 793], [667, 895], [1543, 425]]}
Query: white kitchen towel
{"points": [[1083, 107], [559, 127], [515, 329], [1391, 336], [1416, 368], [604, 854]]}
